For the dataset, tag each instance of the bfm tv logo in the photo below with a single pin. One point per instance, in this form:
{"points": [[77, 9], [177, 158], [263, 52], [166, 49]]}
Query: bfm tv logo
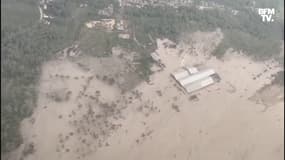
{"points": [[266, 14]]}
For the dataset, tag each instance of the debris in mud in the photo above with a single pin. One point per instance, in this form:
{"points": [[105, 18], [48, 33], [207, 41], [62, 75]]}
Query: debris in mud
{"points": [[28, 149], [32, 120], [59, 95], [159, 93], [232, 88], [175, 107]]}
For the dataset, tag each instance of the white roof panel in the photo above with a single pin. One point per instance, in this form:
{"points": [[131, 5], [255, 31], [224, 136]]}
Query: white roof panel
{"points": [[192, 70], [181, 74], [196, 77], [199, 85]]}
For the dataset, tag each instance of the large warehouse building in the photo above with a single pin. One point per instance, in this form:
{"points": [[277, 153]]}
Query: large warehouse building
{"points": [[192, 80]]}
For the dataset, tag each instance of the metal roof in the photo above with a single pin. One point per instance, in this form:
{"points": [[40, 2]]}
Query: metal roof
{"points": [[199, 84], [192, 80], [180, 75], [185, 72], [191, 70], [197, 76]]}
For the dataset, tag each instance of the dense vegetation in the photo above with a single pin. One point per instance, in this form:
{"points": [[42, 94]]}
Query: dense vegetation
{"points": [[22, 52], [11, 9], [244, 31], [25, 45]]}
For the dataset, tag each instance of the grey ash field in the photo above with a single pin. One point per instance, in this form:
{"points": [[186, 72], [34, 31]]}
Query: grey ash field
{"points": [[78, 81]]}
